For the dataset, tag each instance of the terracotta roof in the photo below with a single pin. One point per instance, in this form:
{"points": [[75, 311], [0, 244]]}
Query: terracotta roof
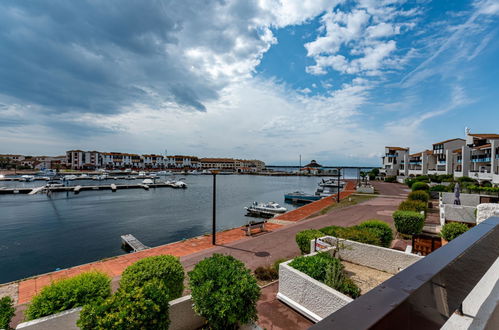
{"points": [[485, 146], [428, 152], [217, 160], [448, 141], [485, 136], [397, 148]]}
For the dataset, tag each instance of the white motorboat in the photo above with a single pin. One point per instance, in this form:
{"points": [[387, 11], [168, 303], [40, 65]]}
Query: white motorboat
{"points": [[69, 177], [142, 173], [147, 181], [54, 184], [179, 184], [265, 209], [83, 176], [27, 178]]}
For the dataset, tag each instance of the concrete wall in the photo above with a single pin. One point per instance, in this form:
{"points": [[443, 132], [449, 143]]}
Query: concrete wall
{"points": [[309, 297], [466, 199], [182, 317], [459, 213], [377, 257], [486, 210], [365, 189]]}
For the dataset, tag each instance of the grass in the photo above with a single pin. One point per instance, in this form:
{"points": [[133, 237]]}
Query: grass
{"points": [[348, 201]]}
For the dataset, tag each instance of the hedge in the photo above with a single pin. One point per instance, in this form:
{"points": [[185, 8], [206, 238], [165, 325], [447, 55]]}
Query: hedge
{"points": [[420, 186], [381, 229], [390, 179], [7, 311], [362, 235], [165, 268], [452, 230], [440, 188], [140, 307], [408, 222], [304, 237], [224, 292], [69, 293], [320, 267], [419, 195], [268, 273], [416, 206]]}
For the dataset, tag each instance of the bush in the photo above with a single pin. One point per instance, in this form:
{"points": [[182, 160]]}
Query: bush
{"points": [[277, 263], [7, 311], [465, 179], [419, 195], [140, 307], [416, 206], [354, 233], [420, 186], [381, 229], [327, 269], [69, 293], [409, 182], [408, 222], [440, 188], [422, 178], [165, 268], [224, 292], [268, 273], [452, 230], [390, 179], [304, 237]]}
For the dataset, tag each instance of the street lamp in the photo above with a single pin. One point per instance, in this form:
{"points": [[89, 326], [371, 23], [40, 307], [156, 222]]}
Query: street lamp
{"points": [[339, 174], [214, 219]]}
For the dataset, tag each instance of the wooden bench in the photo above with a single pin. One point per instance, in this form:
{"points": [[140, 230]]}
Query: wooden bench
{"points": [[253, 225]]}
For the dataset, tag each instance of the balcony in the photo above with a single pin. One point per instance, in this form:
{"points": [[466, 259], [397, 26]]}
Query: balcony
{"points": [[416, 172], [454, 287], [484, 175], [481, 160]]}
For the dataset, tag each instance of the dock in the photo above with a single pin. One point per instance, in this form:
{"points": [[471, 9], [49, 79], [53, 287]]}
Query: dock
{"points": [[130, 242], [77, 189]]}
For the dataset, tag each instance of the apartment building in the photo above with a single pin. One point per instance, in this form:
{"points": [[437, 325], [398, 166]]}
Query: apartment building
{"points": [[225, 164], [83, 160], [395, 161], [153, 161], [181, 161], [119, 160], [477, 156]]}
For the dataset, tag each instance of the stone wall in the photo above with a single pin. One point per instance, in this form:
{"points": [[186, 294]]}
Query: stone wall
{"points": [[466, 199], [486, 210]]}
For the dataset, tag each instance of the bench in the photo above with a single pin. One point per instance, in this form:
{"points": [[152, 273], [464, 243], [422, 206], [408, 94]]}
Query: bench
{"points": [[253, 225]]}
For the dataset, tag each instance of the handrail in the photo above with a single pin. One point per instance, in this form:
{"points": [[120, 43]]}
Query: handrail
{"points": [[426, 294]]}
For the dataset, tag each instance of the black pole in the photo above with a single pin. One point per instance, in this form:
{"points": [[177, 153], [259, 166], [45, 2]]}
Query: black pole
{"points": [[339, 174], [214, 238]]}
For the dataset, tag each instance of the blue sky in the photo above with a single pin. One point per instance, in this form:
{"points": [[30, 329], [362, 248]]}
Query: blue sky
{"points": [[331, 80]]}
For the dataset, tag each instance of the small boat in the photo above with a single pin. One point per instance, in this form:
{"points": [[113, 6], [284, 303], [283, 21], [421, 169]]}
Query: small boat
{"points": [[179, 184], [83, 176], [27, 178], [69, 177], [142, 173], [265, 209], [300, 196], [54, 184], [147, 181]]}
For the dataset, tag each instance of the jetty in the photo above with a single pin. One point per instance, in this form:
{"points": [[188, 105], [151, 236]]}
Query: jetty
{"points": [[77, 189], [130, 242]]}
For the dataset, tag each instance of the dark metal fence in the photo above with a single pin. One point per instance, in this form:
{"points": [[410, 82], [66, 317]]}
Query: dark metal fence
{"points": [[426, 294]]}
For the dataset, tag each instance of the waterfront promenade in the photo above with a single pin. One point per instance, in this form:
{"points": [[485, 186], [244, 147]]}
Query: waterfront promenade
{"points": [[261, 249]]}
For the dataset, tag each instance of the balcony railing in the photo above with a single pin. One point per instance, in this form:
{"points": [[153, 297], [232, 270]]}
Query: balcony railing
{"points": [[481, 160], [427, 293]]}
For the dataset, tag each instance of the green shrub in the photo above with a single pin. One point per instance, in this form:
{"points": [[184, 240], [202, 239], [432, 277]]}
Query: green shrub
{"points": [[354, 233], [165, 268], [390, 179], [349, 288], [408, 222], [465, 179], [381, 229], [268, 273], [419, 195], [325, 268], [422, 178], [224, 292], [304, 237], [69, 293], [420, 186], [278, 262], [315, 266], [140, 307], [440, 188], [409, 182], [452, 230], [416, 206], [7, 311]]}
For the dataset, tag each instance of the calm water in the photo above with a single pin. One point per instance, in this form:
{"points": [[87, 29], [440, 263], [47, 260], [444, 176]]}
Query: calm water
{"points": [[39, 234]]}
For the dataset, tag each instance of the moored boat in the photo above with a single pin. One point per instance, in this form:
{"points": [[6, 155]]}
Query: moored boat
{"points": [[265, 209], [300, 196]]}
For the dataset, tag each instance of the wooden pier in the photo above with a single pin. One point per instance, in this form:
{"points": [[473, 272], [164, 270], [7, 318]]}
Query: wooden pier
{"points": [[129, 242]]}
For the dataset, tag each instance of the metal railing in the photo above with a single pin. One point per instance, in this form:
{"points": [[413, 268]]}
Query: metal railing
{"points": [[426, 294]]}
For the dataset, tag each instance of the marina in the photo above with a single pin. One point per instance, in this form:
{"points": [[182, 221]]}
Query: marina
{"points": [[41, 232]]}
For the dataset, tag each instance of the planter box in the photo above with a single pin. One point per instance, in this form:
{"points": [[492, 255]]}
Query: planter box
{"points": [[182, 317], [314, 299]]}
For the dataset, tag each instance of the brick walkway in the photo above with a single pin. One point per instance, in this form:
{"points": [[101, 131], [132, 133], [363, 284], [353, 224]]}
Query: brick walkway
{"points": [[194, 246]]}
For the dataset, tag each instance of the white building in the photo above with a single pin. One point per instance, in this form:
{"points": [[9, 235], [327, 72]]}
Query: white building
{"points": [[226, 164], [118, 160], [443, 159], [83, 160], [181, 161], [394, 161], [153, 161]]}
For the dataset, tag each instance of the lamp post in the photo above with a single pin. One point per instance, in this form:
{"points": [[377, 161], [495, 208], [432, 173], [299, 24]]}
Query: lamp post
{"points": [[214, 219], [339, 174]]}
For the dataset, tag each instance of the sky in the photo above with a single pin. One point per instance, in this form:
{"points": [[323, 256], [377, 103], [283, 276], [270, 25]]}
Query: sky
{"points": [[330, 80]]}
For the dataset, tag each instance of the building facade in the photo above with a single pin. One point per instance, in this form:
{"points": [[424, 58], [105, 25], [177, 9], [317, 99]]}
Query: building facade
{"points": [[394, 161]]}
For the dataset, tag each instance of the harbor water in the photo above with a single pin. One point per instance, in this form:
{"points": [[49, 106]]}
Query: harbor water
{"points": [[41, 233]]}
